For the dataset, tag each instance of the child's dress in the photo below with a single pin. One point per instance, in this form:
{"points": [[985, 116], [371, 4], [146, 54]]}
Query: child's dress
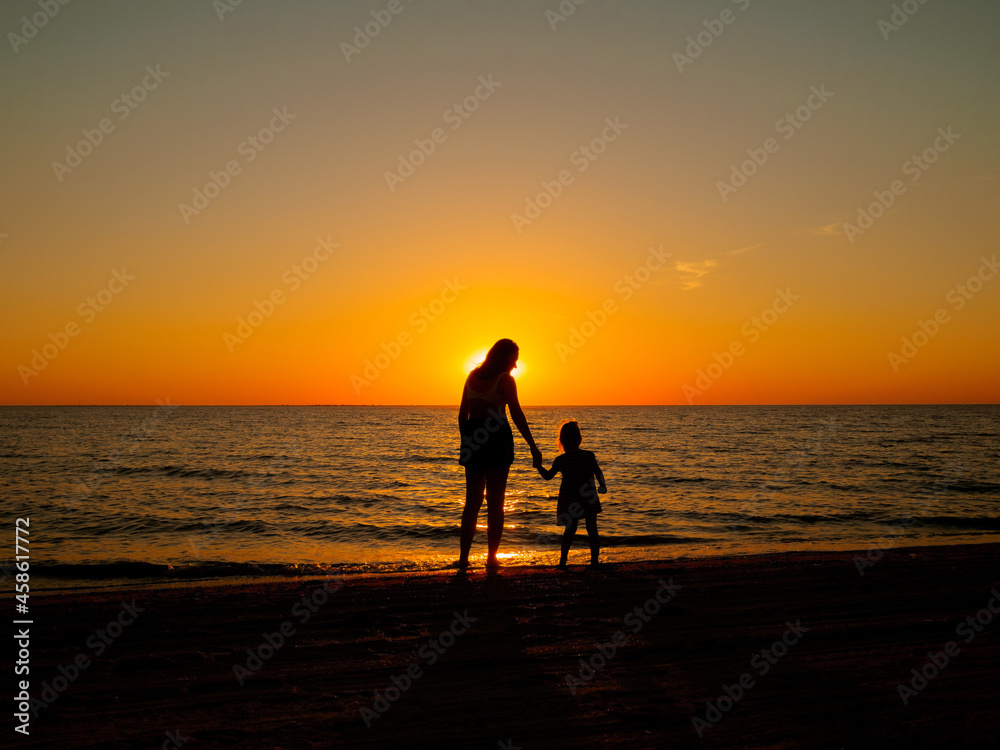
{"points": [[578, 486]]}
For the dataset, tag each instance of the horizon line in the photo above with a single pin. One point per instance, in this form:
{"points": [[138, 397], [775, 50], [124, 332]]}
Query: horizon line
{"points": [[532, 406]]}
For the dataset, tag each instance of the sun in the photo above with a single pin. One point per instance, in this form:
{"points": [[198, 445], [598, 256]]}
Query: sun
{"points": [[473, 360]]}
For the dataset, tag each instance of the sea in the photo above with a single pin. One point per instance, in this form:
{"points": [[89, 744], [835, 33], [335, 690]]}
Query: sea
{"points": [[158, 494]]}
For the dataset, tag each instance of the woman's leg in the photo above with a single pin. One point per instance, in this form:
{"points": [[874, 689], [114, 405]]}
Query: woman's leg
{"points": [[475, 482], [496, 487], [595, 540], [567, 540]]}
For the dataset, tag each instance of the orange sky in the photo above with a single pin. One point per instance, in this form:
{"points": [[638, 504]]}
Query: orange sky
{"points": [[487, 171]]}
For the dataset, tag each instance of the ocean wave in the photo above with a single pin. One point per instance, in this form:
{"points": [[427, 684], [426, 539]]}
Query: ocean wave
{"points": [[524, 537], [134, 526], [971, 487], [128, 569], [249, 525], [293, 507], [814, 518], [669, 480], [171, 470], [981, 523], [423, 458], [649, 540]]}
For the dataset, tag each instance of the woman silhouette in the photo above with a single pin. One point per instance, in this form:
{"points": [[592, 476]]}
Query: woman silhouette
{"points": [[488, 444]]}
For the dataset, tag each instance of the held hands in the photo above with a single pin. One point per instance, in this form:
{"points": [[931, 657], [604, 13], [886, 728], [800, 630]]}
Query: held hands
{"points": [[536, 457]]}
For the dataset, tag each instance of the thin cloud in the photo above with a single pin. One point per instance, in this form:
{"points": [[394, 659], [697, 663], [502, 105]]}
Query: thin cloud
{"points": [[693, 272], [829, 230], [744, 249]]}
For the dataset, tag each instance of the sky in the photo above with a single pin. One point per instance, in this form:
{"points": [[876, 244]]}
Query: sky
{"points": [[696, 203]]}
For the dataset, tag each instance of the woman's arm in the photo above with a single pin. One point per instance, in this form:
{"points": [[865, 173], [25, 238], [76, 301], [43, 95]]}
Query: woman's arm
{"points": [[463, 411], [510, 391]]}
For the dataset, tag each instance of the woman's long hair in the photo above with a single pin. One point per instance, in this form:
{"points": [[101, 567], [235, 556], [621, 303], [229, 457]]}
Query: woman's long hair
{"points": [[497, 359]]}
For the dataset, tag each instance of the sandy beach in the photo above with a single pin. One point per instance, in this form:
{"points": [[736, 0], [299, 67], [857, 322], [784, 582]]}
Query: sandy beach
{"points": [[789, 650]]}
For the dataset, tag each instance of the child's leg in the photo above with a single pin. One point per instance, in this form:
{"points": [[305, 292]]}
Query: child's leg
{"points": [[567, 539], [595, 540]]}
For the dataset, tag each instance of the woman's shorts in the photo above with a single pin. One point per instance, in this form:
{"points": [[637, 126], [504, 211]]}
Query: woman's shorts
{"points": [[487, 443]]}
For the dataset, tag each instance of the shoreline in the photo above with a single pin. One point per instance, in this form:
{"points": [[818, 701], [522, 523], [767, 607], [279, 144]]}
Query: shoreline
{"points": [[188, 575], [446, 661]]}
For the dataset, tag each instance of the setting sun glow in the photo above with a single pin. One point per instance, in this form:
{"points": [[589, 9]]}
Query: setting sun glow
{"points": [[476, 359], [473, 361]]}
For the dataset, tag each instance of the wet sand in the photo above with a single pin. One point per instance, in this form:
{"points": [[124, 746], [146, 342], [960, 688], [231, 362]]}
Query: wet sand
{"points": [[482, 662]]}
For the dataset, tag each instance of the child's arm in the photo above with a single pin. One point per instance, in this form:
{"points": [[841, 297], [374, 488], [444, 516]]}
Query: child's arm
{"points": [[549, 473], [601, 486], [546, 473]]}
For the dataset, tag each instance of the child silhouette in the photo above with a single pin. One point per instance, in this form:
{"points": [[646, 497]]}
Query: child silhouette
{"points": [[577, 496]]}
